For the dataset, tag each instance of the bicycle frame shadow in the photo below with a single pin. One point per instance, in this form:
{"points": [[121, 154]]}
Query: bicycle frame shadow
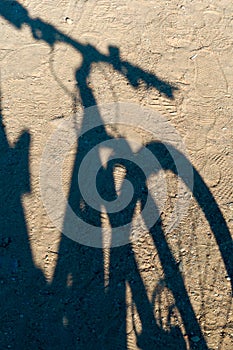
{"points": [[85, 321]]}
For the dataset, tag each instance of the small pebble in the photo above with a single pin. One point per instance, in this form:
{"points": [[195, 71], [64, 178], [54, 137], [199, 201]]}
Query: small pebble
{"points": [[193, 57], [68, 20], [180, 266]]}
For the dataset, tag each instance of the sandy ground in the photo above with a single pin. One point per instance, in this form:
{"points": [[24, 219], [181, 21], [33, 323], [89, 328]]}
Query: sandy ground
{"points": [[166, 290]]}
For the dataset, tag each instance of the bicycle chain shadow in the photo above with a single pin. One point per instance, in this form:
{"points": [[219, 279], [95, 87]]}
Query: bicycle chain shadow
{"points": [[76, 310]]}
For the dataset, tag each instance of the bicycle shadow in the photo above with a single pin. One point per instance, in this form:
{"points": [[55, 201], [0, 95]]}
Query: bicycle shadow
{"points": [[81, 313]]}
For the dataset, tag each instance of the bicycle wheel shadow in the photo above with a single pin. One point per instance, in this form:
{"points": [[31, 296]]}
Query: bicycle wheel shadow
{"points": [[81, 312], [98, 316]]}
